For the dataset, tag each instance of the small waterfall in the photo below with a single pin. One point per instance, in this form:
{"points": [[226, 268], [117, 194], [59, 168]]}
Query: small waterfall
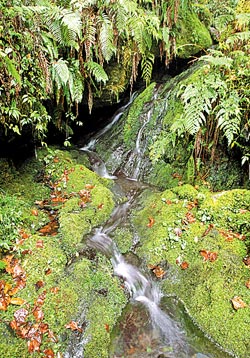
{"points": [[91, 144], [144, 290]]}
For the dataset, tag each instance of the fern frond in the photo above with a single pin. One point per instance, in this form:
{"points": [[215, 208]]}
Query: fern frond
{"points": [[11, 69], [229, 116], [97, 71], [60, 72], [147, 67], [106, 37]]}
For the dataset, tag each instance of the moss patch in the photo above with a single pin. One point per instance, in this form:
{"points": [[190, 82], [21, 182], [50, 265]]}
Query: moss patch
{"points": [[180, 239]]}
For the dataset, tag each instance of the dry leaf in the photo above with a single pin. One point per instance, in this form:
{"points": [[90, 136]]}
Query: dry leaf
{"points": [[151, 222], [238, 303], [17, 301], [73, 326], [184, 265], [209, 255]]}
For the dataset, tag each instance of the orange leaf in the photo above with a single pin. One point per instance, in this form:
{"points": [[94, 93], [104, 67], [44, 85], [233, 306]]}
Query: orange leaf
{"points": [[49, 353], [73, 326], [17, 301], [38, 314], [238, 303], [208, 255], [107, 327], [34, 212], [100, 206], [54, 290], [151, 222], [184, 265], [89, 186]]}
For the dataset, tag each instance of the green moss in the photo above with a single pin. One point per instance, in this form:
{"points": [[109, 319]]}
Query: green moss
{"points": [[76, 221], [123, 239], [228, 210], [186, 191], [133, 123], [205, 287], [191, 35]]}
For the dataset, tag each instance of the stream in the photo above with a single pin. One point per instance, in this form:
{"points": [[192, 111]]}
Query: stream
{"points": [[152, 325]]}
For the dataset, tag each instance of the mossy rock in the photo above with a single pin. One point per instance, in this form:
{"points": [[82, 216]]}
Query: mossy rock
{"points": [[174, 235], [192, 36]]}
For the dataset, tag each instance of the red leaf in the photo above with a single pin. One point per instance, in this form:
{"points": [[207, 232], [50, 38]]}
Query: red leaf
{"points": [[54, 290], [39, 284], [107, 327]]}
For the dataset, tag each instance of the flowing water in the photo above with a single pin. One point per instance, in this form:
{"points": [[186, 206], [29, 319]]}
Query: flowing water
{"points": [[148, 328]]}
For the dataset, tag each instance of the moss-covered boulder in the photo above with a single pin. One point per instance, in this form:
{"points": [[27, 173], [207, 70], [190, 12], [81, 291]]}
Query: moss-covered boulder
{"points": [[192, 36], [201, 240], [49, 294]]}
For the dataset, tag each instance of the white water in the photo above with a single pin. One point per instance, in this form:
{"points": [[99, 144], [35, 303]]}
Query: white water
{"points": [[142, 289]]}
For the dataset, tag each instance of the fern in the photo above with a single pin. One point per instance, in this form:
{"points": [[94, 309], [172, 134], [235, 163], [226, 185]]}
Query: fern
{"points": [[147, 67], [106, 37], [97, 71], [229, 116], [60, 73]]}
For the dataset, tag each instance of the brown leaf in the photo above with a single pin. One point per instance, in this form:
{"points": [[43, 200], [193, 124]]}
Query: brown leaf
{"points": [[39, 244], [89, 186], [184, 265], [208, 255], [38, 314], [48, 353], [100, 206], [73, 326], [190, 217], [54, 290], [247, 284], [107, 327], [34, 212], [39, 284], [41, 298], [238, 303], [151, 222]]}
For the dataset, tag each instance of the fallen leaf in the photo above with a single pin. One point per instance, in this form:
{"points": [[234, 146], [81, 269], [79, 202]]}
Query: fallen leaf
{"points": [[107, 327], [39, 284], [54, 290], [39, 244], [17, 301], [20, 316], [34, 212], [247, 284], [238, 303], [100, 206], [246, 261], [89, 186], [157, 270], [73, 326], [184, 265], [209, 255], [48, 353], [151, 222], [38, 314]]}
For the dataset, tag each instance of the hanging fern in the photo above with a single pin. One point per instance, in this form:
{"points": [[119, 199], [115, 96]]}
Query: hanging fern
{"points": [[106, 37], [97, 71], [147, 67], [229, 116], [60, 73]]}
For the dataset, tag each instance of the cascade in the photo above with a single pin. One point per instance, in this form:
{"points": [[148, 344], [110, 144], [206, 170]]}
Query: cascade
{"points": [[141, 289]]}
